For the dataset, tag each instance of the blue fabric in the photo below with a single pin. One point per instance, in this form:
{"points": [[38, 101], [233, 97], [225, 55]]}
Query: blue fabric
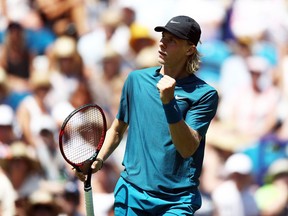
{"points": [[151, 160], [264, 152], [131, 200], [14, 99], [39, 40]]}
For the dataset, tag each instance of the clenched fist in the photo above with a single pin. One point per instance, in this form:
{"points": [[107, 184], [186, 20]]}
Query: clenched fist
{"points": [[166, 87]]}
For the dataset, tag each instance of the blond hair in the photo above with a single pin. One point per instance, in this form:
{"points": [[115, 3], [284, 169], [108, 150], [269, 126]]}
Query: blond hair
{"points": [[193, 63]]}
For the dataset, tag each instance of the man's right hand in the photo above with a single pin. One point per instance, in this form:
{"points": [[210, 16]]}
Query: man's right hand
{"points": [[96, 165]]}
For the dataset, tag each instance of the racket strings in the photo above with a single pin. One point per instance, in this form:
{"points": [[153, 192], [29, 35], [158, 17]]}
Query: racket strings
{"points": [[82, 134]]}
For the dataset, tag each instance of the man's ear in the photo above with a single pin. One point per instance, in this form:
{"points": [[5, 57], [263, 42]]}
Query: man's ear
{"points": [[191, 50]]}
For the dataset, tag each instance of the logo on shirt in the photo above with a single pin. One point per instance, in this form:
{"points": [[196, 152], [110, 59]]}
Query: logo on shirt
{"points": [[180, 98]]}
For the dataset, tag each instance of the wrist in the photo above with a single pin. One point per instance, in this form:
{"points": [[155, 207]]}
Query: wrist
{"points": [[101, 162], [172, 112]]}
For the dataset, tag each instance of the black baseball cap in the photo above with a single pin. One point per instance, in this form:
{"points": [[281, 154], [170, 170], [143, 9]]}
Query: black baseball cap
{"points": [[183, 27]]}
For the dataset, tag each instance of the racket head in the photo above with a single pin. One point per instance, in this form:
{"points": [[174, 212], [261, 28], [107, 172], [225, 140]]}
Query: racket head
{"points": [[82, 135]]}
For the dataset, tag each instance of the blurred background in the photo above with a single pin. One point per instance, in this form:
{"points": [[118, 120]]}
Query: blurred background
{"points": [[59, 54]]}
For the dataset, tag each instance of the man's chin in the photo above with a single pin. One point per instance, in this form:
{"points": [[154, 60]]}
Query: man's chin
{"points": [[161, 61]]}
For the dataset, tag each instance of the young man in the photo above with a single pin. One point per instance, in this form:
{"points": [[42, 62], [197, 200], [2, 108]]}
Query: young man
{"points": [[168, 111]]}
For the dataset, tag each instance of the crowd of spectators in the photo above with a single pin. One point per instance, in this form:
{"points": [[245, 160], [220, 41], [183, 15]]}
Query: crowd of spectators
{"points": [[57, 55]]}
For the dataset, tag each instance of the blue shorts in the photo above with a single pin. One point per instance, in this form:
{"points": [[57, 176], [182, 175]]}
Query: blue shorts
{"points": [[131, 200]]}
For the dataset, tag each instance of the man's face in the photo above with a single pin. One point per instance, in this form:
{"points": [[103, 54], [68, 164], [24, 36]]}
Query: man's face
{"points": [[172, 50]]}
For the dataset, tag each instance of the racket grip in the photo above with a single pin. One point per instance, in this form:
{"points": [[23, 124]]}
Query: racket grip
{"points": [[89, 203]]}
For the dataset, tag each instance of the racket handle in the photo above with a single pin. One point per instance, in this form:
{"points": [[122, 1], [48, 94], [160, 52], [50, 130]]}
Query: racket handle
{"points": [[89, 203]]}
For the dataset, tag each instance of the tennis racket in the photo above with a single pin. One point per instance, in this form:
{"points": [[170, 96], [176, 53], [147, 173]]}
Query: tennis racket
{"points": [[80, 139]]}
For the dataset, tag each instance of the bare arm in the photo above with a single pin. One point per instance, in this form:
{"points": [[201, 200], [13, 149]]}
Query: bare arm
{"points": [[54, 9], [24, 120], [3, 7], [113, 138], [185, 139]]}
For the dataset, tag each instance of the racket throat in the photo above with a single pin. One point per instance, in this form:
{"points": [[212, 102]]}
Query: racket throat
{"points": [[87, 184], [87, 188]]}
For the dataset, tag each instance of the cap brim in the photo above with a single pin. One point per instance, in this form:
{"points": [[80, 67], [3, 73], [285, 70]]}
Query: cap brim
{"points": [[159, 28], [163, 28]]}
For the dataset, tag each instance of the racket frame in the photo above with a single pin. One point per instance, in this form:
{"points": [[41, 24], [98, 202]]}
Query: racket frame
{"points": [[87, 182]]}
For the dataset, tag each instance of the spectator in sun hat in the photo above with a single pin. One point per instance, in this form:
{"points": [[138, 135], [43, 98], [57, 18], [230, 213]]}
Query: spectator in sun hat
{"points": [[66, 67], [33, 107], [7, 129], [234, 196], [64, 57], [140, 37], [81, 95], [146, 57], [47, 149], [42, 203], [91, 46], [7, 123], [22, 168], [107, 82], [272, 197]]}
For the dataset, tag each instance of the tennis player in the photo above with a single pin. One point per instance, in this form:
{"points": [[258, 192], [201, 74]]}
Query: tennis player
{"points": [[168, 110]]}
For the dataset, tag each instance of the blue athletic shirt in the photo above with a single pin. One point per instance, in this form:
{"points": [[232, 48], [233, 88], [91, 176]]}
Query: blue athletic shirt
{"points": [[151, 160]]}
